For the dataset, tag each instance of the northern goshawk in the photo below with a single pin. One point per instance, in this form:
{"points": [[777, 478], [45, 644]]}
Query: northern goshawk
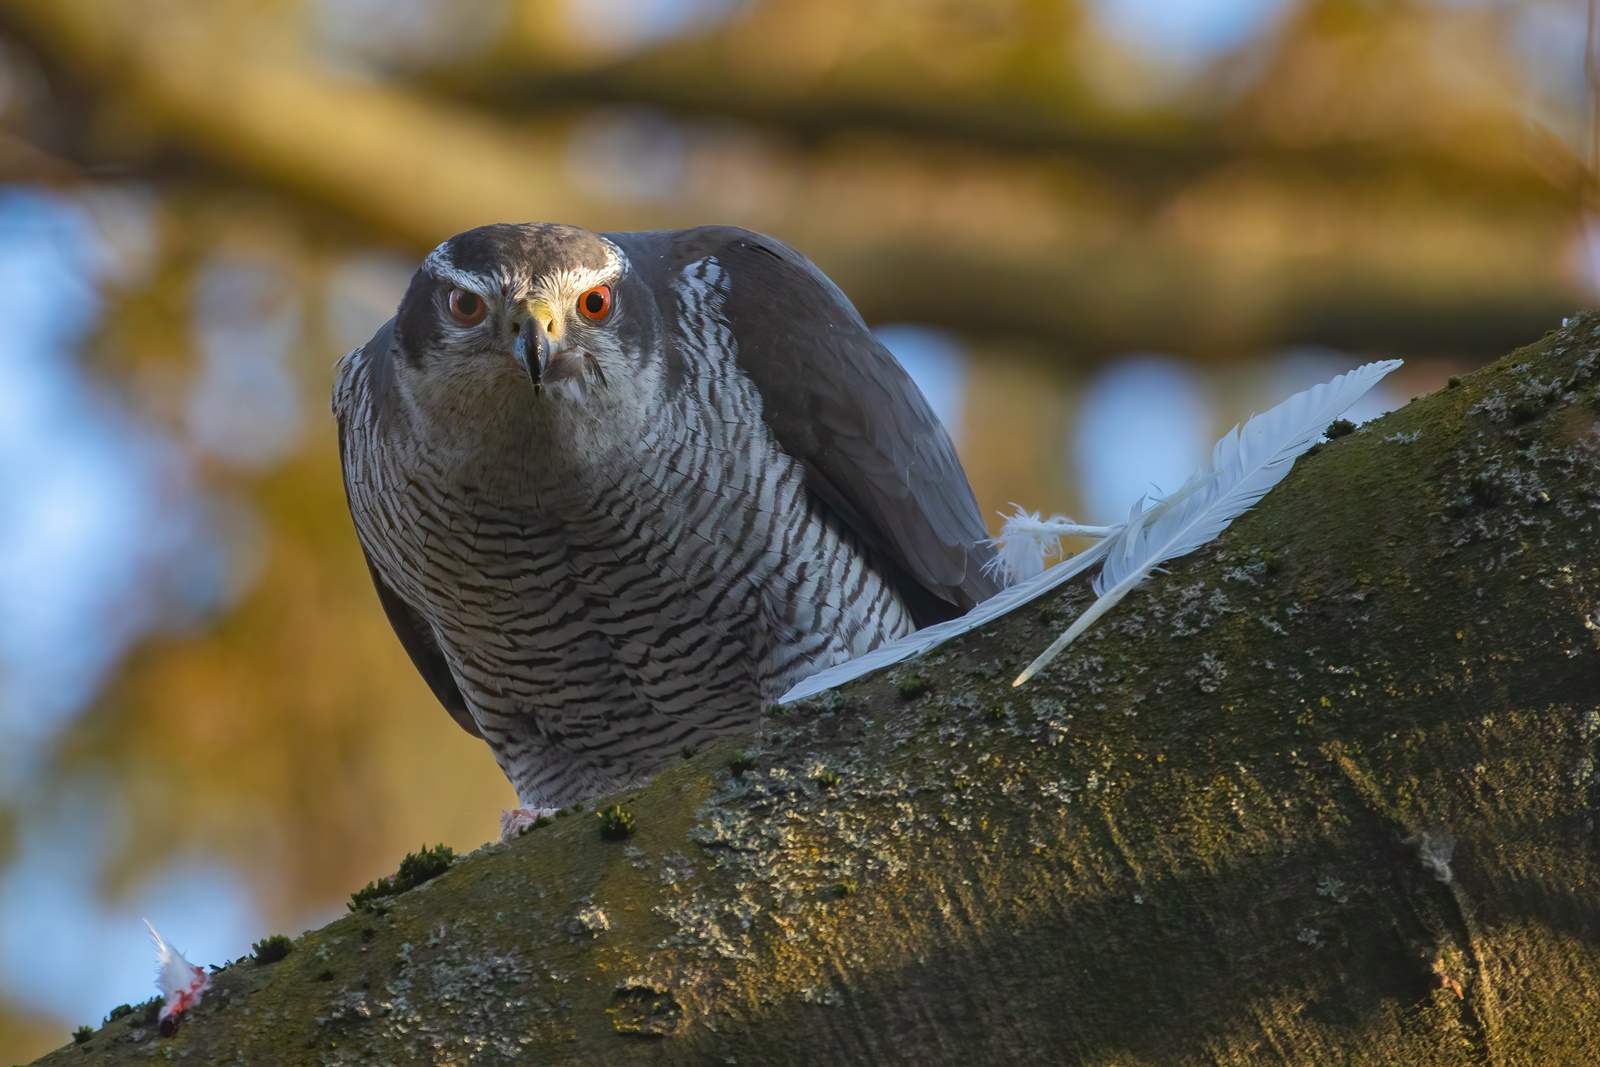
{"points": [[617, 491]]}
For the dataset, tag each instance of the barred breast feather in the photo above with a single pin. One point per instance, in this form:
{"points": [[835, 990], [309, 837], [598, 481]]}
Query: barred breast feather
{"points": [[591, 595]]}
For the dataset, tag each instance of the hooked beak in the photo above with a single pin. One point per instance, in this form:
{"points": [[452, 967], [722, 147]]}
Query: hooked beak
{"points": [[535, 342], [531, 352]]}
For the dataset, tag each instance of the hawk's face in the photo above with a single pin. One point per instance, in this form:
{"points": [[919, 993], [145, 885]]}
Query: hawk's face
{"points": [[540, 312]]}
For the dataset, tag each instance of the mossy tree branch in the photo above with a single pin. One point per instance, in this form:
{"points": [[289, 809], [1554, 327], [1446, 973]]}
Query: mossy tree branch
{"points": [[1323, 793]]}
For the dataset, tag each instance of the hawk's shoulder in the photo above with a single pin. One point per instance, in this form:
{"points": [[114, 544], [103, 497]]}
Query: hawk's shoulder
{"points": [[835, 399], [361, 390], [363, 376]]}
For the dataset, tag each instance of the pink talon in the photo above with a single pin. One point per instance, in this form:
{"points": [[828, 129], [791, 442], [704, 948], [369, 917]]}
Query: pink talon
{"points": [[516, 820]]}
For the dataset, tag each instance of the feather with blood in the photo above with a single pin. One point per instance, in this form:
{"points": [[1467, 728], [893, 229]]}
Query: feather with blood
{"points": [[180, 982]]}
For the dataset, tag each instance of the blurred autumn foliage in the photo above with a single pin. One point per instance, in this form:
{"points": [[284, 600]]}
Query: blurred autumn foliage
{"points": [[1399, 178]]}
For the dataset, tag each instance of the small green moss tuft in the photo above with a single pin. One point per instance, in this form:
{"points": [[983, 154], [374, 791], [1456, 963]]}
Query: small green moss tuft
{"points": [[1340, 428], [324, 975], [562, 813], [271, 949], [842, 889], [538, 824], [1453, 382], [826, 779], [688, 751], [576, 808], [415, 869], [82, 1034], [912, 684], [119, 1012], [419, 867], [995, 712], [370, 894], [740, 764], [615, 823], [152, 1011]]}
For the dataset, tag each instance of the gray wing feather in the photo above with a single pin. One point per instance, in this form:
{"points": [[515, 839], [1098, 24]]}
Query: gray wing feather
{"points": [[834, 398], [416, 636]]}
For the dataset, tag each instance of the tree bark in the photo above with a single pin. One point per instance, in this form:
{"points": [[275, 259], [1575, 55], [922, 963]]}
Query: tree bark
{"points": [[1323, 793]]}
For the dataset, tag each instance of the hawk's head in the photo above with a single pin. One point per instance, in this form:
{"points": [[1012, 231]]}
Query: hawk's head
{"points": [[539, 306]]}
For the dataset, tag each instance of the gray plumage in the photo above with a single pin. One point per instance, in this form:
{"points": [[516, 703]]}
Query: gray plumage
{"points": [[603, 537]]}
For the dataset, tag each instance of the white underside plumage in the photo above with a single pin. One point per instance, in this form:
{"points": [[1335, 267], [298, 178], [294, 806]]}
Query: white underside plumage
{"points": [[1246, 463]]}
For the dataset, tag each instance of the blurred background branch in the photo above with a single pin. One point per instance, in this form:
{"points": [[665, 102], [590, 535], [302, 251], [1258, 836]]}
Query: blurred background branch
{"points": [[1000, 204], [1096, 231]]}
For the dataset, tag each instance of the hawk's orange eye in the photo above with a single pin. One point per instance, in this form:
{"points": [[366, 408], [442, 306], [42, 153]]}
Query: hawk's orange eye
{"points": [[467, 308], [596, 303]]}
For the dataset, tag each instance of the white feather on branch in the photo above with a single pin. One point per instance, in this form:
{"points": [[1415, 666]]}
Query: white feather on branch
{"points": [[1026, 541], [1002, 603], [1246, 463]]}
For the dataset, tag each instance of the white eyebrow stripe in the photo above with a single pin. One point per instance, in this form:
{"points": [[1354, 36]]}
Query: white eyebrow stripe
{"points": [[440, 265], [439, 258], [615, 260], [553, 287], [562, 286], [582, 278], [564, 283], [461, 279]]}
